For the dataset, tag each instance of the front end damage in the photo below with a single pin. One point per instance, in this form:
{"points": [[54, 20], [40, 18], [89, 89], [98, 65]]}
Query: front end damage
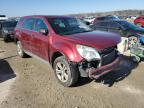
{"points": [[96, 68]]}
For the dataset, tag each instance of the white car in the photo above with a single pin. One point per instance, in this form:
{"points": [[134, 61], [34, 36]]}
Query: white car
{"points": [[89, 19]]}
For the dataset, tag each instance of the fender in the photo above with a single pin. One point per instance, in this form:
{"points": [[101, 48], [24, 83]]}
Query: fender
{"points": [[69, 51]]}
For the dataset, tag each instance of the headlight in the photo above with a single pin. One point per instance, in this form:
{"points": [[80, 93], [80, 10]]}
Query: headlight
{"points": [[87, 52], [6, 31]]}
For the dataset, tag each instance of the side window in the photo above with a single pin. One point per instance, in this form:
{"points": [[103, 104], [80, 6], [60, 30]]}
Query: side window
{"points": [[28, 24], [40, 25], [113, 25]]}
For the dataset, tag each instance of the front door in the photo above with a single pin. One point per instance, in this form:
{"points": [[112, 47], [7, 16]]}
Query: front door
{"points": [[40, 41]]}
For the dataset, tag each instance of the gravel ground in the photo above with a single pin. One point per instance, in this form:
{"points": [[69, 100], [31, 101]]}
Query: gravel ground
{"points": [[29, 83]]}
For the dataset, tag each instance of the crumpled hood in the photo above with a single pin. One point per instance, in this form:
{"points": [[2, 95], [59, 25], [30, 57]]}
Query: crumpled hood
{"points": [[96, 39]]}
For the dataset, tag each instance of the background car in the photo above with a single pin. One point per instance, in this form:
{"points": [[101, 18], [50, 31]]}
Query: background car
{"points": [[122, 27], [2, 18], [89, 20], [131, 19], [103, 18], [130, 33], [139, 21], [8, 30]]}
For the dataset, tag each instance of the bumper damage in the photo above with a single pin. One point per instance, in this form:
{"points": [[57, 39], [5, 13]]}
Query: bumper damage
{"points": [[97, 72], [94, 72], [110, 59]]}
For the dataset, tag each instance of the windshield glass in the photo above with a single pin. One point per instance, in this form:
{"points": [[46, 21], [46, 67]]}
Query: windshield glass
{"points": [[68, 26], [9, 24], [127, 25]]}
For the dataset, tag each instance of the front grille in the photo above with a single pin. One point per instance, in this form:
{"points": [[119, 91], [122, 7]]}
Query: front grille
{"points": [[108, 55]]}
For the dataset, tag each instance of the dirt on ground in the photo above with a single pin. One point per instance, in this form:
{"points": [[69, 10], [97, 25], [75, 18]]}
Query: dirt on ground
{"points": [[30, 83]]}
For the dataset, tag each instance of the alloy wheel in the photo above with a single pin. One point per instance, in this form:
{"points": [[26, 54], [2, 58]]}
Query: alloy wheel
{"points": [[62, 72]]}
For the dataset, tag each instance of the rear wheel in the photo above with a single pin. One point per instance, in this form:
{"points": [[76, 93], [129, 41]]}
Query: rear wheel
{"points": [[66, 74], [20, 51]]}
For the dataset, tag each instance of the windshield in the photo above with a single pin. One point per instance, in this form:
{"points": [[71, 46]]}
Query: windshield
{"points": [[127, 25], [9, 24], [68, 26]]}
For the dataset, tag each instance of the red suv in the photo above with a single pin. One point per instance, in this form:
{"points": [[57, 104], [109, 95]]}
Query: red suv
{"points": [[68, 45], [139, 21]]}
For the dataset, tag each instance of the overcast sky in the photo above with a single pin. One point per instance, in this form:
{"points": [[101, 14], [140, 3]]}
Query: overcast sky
{"points": [[60, 7]]}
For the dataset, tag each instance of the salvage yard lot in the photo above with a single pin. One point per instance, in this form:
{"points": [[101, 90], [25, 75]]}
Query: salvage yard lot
{"points": [[29, 83]]}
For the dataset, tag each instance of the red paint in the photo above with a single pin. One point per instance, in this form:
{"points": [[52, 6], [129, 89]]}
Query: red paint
{"points": [[139, 20]]}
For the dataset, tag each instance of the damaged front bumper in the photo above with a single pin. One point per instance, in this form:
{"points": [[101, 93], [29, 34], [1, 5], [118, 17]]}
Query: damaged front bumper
{"points": [[97, 72], [93, 72], [96, 68]]}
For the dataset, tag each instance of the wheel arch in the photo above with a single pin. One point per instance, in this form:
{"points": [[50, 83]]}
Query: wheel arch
{"points": [[55, 55]]}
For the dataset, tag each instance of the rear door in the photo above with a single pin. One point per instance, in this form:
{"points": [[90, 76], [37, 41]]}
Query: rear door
{"points": [[40, 41], [26, 34]]}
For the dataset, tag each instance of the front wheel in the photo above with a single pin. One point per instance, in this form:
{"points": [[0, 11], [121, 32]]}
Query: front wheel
{"points": [[66, 73]]}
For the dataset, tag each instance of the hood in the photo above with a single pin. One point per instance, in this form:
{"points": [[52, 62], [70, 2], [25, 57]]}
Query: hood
{"points": [[96, 39]]}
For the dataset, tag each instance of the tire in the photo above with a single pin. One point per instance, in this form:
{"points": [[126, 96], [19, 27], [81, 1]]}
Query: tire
{"points": [[5, 39], [20, 50], [66, 74]]}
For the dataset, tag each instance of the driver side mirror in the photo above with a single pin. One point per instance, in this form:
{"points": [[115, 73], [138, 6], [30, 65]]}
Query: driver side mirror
{"points": [[44, 31]]}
